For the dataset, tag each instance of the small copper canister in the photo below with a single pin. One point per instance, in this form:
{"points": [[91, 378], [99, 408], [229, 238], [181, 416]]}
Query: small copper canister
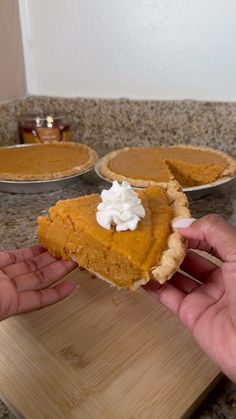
{"points": [[44, 128]]}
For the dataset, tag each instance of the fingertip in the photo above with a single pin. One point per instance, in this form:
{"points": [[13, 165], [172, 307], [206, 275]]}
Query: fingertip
{"points": [[183, 222], [66, 288], [70, 286], [70, 264]]}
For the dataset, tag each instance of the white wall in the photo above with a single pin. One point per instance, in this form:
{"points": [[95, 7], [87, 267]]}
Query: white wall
{"points": [[157, 49], [12, 82]]}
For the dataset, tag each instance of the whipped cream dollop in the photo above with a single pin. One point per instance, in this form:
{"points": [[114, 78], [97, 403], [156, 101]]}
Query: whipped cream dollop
{"points": [[120, 207]]}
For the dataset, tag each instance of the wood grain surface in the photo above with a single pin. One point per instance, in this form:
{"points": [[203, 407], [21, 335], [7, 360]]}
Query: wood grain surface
{"points": [[102, 353]]}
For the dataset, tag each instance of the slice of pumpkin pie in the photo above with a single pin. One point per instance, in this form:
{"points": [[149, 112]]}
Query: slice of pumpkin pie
{"points": [[124, 236]]}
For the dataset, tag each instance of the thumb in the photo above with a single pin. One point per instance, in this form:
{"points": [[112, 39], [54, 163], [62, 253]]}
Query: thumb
{"points": [[212, 234]]}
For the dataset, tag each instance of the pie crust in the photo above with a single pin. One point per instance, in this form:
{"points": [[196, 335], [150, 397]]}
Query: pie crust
{"points": [[45, 161], [175, 252], [104, 169], [168, 262]]}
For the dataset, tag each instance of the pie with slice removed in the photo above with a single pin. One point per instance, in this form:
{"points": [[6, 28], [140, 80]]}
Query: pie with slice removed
{"points": [[125, 259], [45, 161], [146, 166]]}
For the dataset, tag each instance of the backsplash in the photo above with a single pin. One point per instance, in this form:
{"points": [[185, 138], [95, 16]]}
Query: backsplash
{"points": [[107, 124]]}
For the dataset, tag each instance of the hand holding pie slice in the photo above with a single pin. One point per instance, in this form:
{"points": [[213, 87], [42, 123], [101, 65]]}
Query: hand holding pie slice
{"points": [[124, 236]]}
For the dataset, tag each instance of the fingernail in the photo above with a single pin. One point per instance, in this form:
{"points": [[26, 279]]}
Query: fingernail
{"points": [[183, 222]]}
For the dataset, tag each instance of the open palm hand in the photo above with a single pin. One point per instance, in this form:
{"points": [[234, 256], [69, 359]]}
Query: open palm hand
{"points": [[26, 276], [206, 306]]}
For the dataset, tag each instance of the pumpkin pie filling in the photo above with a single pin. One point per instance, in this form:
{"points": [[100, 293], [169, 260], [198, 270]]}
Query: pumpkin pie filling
{"points": [[140, 163], [123, 258], [190, 166], [45, 161], [191, 174]]}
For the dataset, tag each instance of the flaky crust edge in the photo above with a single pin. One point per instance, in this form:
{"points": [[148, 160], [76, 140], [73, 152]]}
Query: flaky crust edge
{"points": [[175, 251], [92, 158]]}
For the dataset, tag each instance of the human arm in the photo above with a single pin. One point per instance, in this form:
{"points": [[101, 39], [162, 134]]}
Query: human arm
{"points": [[206, 307]]}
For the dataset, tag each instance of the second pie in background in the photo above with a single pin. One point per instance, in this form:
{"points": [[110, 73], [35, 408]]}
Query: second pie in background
{"points": [[146, 166]]}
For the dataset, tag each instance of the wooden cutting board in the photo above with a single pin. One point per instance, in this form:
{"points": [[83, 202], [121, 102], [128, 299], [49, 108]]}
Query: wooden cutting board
{"points": [[102, 353]]}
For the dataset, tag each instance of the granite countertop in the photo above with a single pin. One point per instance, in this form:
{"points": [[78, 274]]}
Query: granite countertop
{"points": [[18, 214]]}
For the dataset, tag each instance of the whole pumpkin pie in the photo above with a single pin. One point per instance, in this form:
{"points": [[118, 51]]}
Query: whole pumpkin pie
{"points": [[45, 161], [128, 258], [145, 166]]}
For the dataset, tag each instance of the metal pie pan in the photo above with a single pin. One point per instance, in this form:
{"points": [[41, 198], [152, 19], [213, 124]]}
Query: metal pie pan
{"points": [[35, 186], [194, 192]]}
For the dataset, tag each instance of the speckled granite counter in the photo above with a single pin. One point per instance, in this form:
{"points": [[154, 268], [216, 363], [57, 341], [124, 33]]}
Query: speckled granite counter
{"points": [[117, 123], [111, 124]]}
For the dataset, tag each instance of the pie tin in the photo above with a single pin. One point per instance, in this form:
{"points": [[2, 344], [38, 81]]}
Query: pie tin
{"points": [[194, 192], [36, 186]]}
